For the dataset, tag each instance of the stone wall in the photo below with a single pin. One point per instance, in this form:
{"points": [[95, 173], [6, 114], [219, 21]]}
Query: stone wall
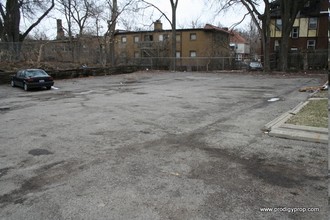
{"points": [[75, 73]]}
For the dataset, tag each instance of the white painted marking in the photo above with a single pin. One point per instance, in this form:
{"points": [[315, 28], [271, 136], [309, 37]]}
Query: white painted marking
{"points": [[273, 99]]}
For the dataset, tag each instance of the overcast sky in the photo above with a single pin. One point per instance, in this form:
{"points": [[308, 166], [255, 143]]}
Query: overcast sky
{"points": [[200, 10], [187, 12]]}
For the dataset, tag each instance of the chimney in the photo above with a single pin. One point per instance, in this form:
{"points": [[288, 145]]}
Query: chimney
{"points": [[60, 32], [158, 26]]}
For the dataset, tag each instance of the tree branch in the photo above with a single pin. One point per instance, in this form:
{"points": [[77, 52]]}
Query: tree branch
{"points": [[38, 21], [169, 20]]}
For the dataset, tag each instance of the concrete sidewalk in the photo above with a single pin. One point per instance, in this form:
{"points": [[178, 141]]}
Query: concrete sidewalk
{"points": [[278, 128]]}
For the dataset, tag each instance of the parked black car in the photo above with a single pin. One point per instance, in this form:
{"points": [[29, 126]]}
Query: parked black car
{"points": [[32, 78]]}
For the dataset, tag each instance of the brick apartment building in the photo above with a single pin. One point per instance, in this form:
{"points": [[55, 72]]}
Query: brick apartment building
{"points": [[193, 46], [309, 35]]}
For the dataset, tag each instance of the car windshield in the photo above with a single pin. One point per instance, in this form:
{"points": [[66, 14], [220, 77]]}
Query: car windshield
{"points": [[255, 64], [35, 73]]}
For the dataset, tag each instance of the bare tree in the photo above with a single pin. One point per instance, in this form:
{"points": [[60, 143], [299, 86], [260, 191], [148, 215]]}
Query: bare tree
{"points": [[11, 13], [82, 11], [115, 11], [260, 17], [65, 7], [288, 11], [77, 13], [174, 5], [113, 5], [251, 34], [196, 23]]}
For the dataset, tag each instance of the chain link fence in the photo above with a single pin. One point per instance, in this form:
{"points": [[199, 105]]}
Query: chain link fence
{"points": [[94, 54], [182, 64], [303, 60], [52, 51]]}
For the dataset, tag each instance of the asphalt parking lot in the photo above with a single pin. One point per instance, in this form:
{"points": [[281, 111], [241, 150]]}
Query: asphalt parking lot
{"points": [[158, 146]]}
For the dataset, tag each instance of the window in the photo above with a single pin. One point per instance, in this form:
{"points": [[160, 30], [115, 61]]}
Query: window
{"points": [[295, 32], [163, 37], [193, 53], [148, 38], [137, 54], [311, 44], [193, 36], [276, 45], [136, 39], [278, 24], [124, 39], [66, 48], [178, 38], [178, 54], [312, 24], [20, 73]]}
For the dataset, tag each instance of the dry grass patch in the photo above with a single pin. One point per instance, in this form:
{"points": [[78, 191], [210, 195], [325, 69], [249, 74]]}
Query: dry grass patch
{"points": [[314, 114]]}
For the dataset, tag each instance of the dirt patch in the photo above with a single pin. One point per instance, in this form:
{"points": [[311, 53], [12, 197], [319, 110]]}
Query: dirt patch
{"points": [[48, 175], [283, 174], [4, 171]]}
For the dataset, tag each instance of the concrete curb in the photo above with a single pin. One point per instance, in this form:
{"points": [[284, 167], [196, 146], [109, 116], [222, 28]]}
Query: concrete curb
{"points": [[278, 128], [277, 122]]}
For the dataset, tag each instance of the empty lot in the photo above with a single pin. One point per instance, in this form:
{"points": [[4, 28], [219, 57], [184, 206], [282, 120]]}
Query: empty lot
{"points": [[157, 146]]}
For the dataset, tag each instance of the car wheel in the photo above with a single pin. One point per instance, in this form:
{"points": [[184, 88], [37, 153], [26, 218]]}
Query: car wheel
{"points": [[26, 88], [48, 87], [12, 83]]}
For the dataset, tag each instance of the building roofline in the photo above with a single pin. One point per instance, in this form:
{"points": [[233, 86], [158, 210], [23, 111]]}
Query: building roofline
{"points": [[207, 27]]}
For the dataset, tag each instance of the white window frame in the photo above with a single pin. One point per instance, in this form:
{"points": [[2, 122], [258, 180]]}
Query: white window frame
{"points": [[178, 54], [193, 36], [312, 23], [124, 39], [136, 39], [295, 32], [311, 44], [193, 53], [278, 24]]}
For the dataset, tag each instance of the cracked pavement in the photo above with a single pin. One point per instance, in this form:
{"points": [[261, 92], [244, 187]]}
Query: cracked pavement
{"points": [[157, 145]]}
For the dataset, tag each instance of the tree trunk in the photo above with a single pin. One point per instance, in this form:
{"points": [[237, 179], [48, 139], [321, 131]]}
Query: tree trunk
{"points": [[112, 30], [265, 20], [12, 21], [263, 28], [173, 60], [284, 53], [289, 11], [11, 27]]}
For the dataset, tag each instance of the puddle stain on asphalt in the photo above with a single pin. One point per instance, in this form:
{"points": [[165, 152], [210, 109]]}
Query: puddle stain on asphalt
{"points": [[282, 175], [39, 152], [4, 171], [47, 175]]}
